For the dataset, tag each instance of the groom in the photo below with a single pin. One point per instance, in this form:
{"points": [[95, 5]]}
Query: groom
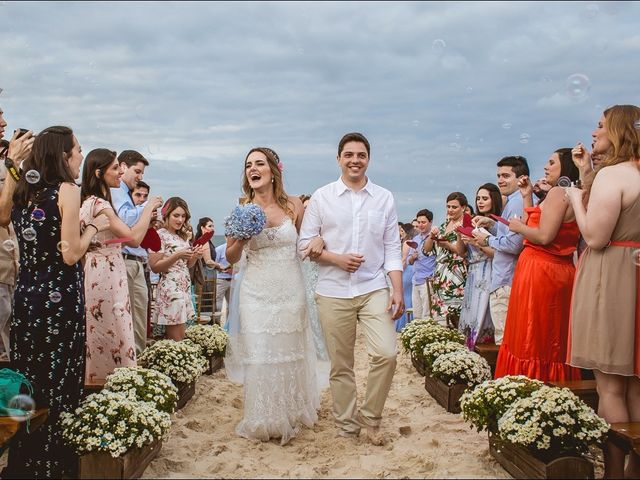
{"points": [[358, 222]]}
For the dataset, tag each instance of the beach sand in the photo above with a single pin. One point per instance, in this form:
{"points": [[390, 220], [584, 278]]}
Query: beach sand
{"points": [[434, 444]]}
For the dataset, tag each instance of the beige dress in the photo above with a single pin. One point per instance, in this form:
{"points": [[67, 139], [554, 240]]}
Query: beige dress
{"points": [[605, 313]]}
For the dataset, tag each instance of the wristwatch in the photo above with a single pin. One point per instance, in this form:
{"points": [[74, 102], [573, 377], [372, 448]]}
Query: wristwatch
{"points": [[486, 241], [11, 168]]}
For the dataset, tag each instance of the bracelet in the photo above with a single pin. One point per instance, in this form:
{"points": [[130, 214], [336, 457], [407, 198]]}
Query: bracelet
{"points": [[486, 241], [92, 225], [12, 169]]}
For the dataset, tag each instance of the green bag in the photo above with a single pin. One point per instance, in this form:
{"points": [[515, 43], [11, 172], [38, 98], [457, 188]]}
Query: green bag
{"points": [[11, 383]]}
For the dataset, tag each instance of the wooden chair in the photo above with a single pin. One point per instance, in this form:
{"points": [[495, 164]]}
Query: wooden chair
{"points": [[489, 351], [11, 427], [626, 435], [206, 296], [585, 390]]}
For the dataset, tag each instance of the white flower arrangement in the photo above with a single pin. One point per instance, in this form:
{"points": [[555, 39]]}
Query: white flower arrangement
{"points": [[485, 404], [461, 367], [416, 338], [435, 349], [552, 420], [144, 384], [180, 361], [113, 422], [211, 338]]}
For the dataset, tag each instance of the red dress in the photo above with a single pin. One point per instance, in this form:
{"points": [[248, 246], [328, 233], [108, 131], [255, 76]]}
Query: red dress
{"points": [[537, 324]]}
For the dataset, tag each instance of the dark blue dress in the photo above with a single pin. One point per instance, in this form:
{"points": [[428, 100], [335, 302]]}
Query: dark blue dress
{"points": [[47, 337]]}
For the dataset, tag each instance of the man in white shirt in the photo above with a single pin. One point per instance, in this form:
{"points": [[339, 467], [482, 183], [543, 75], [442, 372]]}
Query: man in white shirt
{"points": [[359, 224]]}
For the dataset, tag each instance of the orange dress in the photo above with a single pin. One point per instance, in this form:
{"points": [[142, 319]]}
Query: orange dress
{"points": [[537, 324]]}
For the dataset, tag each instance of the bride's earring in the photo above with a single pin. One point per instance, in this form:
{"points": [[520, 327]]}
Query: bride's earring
{"points": [[272, 180]]}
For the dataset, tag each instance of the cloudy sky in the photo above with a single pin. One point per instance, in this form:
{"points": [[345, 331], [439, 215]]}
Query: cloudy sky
{"points": [[441, 89]]}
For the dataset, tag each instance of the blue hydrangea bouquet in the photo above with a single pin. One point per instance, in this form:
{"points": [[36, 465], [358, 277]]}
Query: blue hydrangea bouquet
{"points": [[245, 221]]}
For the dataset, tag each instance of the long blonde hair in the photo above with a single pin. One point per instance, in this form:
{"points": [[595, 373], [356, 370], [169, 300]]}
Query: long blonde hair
{"points": [[623, 129], [282, 199]]}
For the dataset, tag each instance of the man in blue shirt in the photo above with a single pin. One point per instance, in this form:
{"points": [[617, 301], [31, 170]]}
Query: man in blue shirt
{"points": [[423, 259], [507, 245], [133, 163]]}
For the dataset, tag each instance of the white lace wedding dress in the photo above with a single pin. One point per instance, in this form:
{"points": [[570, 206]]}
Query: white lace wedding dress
{"points": [[272, 347]]}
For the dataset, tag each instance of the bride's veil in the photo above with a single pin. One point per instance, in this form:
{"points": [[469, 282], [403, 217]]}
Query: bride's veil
{"points": [[233, 361]]}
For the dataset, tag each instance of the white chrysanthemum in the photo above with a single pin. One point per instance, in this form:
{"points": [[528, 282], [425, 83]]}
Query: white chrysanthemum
{"points": [[180, 361], [115, 423]]}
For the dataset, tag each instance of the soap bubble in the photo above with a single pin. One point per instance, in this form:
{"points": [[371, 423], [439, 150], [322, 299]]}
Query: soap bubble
{"points": [[29, 234], [506, 126], [416, 123], [9, 245], [55, 297], [438, 45], [22, 402], [524, 138], [38, 214], [564, 182], [62, 246], [118, 309], [32, 176], [636, 124], [592, 10], [578, 85]]}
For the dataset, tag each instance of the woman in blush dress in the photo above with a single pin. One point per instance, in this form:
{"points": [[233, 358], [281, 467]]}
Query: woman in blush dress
{"points": [[110, 340], [475, 316], [537, 324], [605, 310], [271, 348]]}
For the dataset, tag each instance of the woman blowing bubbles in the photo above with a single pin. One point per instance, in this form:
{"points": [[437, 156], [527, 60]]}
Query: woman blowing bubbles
{"points": [[605, 310]]}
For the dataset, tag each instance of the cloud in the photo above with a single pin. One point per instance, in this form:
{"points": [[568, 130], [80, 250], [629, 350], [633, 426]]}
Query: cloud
{"points": [[195, 85]]}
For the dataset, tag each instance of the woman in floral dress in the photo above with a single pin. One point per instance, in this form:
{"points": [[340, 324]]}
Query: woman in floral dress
{"points": [[451, 270], [110, 340], [173, 293]]}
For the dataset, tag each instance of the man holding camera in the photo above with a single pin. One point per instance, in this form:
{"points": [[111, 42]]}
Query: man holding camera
{"points": [[12, 155]]}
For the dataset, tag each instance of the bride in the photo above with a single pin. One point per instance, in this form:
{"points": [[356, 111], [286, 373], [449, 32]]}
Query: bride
{"points": [[271, 346]]}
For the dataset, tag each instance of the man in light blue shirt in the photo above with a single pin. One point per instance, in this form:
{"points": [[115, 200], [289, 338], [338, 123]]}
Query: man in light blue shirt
{"points": [[133, 163], [423, 259], [507, 245]]}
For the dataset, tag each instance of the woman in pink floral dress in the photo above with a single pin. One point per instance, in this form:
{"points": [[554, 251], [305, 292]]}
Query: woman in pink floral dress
{"points": [[173, 293], [109, 341]]}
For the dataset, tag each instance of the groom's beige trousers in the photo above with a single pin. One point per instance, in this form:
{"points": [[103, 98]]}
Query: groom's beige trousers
{"points": [[339, 317]]}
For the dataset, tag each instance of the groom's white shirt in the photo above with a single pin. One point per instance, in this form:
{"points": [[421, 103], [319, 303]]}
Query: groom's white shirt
{"points": [[363, 222]]}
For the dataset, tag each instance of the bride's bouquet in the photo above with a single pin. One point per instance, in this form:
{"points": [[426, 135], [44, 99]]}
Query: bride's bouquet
{"points": [[245, 221]]}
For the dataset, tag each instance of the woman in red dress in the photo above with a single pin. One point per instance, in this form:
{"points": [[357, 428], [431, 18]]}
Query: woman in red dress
{"points": [[537, 325]]}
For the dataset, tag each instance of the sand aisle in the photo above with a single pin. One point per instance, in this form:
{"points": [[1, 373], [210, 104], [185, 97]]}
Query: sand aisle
{"points": [[202, 442]]}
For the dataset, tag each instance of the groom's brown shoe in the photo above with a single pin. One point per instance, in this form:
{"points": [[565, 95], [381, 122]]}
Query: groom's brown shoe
{"points": [[346, 434]]}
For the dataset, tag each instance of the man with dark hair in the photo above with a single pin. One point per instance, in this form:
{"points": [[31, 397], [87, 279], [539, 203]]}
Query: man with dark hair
{"points": [[135, 258], [140, 193], [507, 245], [359, 224], [423, 259]]}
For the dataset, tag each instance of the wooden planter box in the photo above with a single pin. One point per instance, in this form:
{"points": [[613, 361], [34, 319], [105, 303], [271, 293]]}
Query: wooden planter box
{"points": [[419, 365], [131, 464], [94, 387], [447, 397], [215, 364], [521, 463], [185, 392]]}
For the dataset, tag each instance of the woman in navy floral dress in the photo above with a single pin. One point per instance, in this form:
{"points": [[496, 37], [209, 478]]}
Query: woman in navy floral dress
{"points": [[48, 325]]}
